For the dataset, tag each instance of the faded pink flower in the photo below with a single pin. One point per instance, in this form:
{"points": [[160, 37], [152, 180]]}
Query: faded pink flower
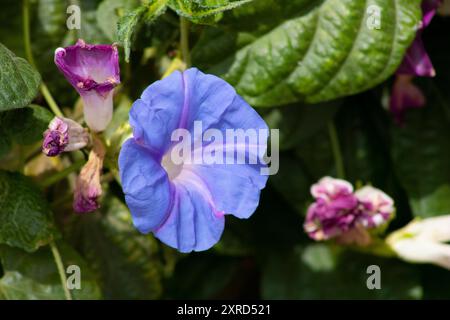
{"points": [[88, 187]]}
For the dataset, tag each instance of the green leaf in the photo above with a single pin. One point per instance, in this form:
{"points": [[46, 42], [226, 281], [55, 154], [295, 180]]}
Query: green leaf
{"points": [[26, 126], [318, 272], [127, 263], [421, 156], [320, 51], [198, 10], [21, 127], [127, 27], [261, 16], [34, 276], [25, 217], [109, 12], [130, 24], [19, 82]]}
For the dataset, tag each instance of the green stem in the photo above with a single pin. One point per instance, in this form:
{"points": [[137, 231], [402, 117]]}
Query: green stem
{"points": [[50, 101], [29, 54], [60, 175], [184, 41], [61, 271], [337, 154], [26, 31], [378, 248]]}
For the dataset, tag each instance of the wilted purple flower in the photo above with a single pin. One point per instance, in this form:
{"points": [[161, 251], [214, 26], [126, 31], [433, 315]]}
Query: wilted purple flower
{"points": [[416, 61], [330, 189], [339, 213], [183, 204], [88, 187], [93, 70], [334, 210], [63, 134], [405, 94], [375, 206], [429, 8]]}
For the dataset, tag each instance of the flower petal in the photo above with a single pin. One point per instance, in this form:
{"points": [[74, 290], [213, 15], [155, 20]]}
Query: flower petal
{"points": [[213, 101], [405, 95], [418, 251], [98, 109], [416, 61], [235, 188], [233, 191], [433, 229], [147, 189], [157, 114], [429, 8], [175, 102], [329, 188], [88, 66], [192, 224]]}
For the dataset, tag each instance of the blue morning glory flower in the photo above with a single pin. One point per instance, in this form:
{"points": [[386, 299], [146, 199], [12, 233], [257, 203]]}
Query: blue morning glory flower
{"points": [[184, 203]]}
